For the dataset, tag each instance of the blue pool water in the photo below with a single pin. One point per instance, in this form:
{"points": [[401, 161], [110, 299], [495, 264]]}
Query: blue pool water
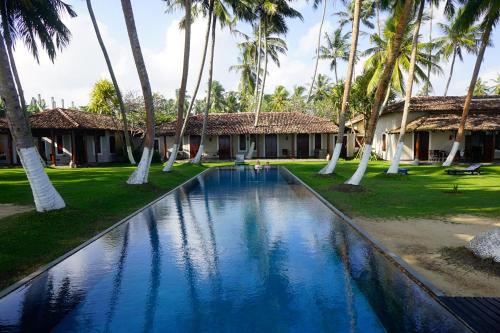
{"points": [[235, 250]]}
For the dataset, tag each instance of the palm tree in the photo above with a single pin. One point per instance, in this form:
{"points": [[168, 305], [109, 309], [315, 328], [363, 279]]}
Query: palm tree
{"points": [[367, 11], [279, 99], [480, 88], [272, 16], [322, 88], [318, 48], [218, 99], [232, 102], [402, 14], [34, 23], [496, 86], [374, 65], [489, 13], [123, 112], [454, 42], [347, 89], [337, 48], [182, 90], [140, 175], [394, 168]]}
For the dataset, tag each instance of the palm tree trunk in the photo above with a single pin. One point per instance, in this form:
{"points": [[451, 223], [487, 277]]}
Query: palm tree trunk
{"points": [[140, 175], [394, 168], [336, 77], [427, 91], [45, 195], [328, 169], [182, 89], [317, 50], [382, 87], [468, 99], [201, 149], [257, 74], [261, 97], [115, 84], [451, 72]]}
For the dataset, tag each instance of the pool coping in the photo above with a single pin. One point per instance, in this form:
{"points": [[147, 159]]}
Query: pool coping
{"points": [[54, 262], [404, 267]]}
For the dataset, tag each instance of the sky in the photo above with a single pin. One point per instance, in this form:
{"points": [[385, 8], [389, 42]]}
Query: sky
{"points": [[81, 64]]}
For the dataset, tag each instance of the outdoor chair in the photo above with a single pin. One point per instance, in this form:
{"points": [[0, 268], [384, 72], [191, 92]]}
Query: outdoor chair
{"points": [[473, 169]]}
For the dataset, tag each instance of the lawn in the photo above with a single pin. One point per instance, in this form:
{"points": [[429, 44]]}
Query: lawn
{"points": [[426, 192], [96, 198]]}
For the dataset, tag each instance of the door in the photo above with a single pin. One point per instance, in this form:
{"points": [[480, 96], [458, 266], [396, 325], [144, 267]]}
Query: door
{"points": [[81, 152], [489, 148], [421, 146], [194, 145], [224, 147], [271, 146], [302, 145]]}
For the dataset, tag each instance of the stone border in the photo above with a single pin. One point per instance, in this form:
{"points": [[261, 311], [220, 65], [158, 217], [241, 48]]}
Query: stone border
{"points": [[53, 263]]}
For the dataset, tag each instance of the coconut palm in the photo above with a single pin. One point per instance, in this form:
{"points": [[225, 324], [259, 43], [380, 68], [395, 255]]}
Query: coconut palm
{"points": [[140, 175], [182, 90], [402, 13], [330, 167], [118, 93], [232, 102], [218, 98], [489, 13], [377, 54], [496, 85], [34, 24], [278, 100], [336, 48], [322, 88], [367, 11], [480, 88], [272, 15], [318, 47], [454, 42], [394, 167]]}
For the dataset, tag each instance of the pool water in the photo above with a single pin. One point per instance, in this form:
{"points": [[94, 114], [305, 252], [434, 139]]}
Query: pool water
{"points": [[235, 250]]}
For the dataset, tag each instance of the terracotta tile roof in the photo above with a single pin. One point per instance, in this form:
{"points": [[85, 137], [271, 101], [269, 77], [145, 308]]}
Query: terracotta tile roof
{"points": [[72, 119], [476, 121], [243, 123], [446, 104]]}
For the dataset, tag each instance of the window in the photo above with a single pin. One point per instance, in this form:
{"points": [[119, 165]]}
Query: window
{"points": [[317, 141], [3, 153], [60, 146], [112, 144], [497, 142], [243, 142], [384, 142]]}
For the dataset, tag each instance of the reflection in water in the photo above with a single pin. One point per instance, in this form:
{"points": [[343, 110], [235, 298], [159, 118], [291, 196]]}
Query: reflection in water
{"points": [[234, 250]]}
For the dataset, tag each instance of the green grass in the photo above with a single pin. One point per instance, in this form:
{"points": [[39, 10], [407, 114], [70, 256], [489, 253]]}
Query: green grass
{"points": [[96, 198], [426, 192]]}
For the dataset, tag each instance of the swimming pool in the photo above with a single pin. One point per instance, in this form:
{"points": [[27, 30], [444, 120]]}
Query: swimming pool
{"points": [[231, 250]]}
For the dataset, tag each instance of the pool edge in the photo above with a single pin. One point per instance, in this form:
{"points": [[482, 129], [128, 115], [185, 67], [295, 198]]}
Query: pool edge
{"points": [[404, 267], [56, 261]]}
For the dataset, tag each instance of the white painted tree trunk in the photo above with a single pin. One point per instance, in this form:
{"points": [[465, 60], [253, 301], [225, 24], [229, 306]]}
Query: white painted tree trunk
{"points": [[172, 158], [45, 195], [199, 154], [249, 153], [363, 164], [451, 155], [130, 155], [394, 168], [140, 175], [328, 169]]}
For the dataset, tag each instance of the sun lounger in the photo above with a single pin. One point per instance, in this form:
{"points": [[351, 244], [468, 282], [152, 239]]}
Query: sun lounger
{"points": [[473, 169], [401, 171], [240, 159]]}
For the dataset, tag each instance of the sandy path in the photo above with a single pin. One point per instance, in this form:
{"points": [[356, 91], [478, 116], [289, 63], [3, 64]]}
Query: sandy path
{"points": [[421, 242], [10, 209]]}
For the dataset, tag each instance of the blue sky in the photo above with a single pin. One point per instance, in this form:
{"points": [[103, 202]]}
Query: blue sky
{"points": [[76, 69]]}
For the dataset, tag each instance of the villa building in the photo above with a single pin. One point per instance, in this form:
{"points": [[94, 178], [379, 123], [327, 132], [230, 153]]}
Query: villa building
{"points": [[65, 136], [432, 125], [278, 135]]}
